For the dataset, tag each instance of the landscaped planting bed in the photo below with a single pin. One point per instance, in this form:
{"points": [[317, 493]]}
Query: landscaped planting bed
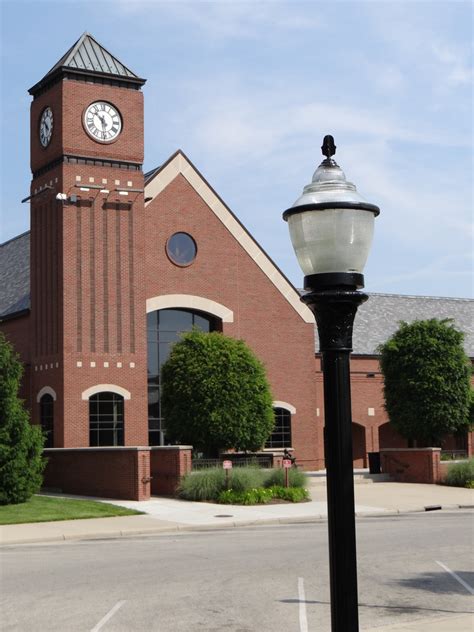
{"points": [[244, 486]]}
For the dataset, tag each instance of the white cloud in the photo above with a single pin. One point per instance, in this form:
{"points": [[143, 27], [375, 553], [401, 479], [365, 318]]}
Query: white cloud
{"points": [[222, 19], [438, 269], [455, 63], [422, 36], [263, 124]]}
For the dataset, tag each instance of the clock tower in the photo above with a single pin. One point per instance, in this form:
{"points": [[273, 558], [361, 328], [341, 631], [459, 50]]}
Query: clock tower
{"points": [[87, 242]]}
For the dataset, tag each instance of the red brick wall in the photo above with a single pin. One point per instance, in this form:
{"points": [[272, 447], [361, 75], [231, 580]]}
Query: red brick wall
{"points": [[104, 472], [104, 305], [168, 465], [412, 465]]}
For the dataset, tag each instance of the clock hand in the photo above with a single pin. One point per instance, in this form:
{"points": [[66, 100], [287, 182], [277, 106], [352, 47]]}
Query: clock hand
{"points": [[101, 119]]}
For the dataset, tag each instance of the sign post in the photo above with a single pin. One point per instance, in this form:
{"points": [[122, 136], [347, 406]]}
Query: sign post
{"points": [[227, 465], [286, 466]]}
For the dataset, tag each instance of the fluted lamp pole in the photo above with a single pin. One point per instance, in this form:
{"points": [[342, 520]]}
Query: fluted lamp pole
{"points": [[331, 228]]}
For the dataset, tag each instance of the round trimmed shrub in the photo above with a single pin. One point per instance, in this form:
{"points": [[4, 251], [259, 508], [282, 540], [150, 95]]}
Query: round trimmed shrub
{"points": [[426, 380], [215, 394]]}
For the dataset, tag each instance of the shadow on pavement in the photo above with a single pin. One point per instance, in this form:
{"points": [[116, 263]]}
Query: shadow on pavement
{"points": [[439, 582], [400, 609]]}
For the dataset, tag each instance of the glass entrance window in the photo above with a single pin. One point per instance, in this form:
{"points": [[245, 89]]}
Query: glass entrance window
{"points": [[164, 328], [106, 419], [281, 435], [47, 420]]}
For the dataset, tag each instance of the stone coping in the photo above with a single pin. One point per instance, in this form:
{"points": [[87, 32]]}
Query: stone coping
{"points": [[118, 448], [171, 447], [410, 450], [111, 448]]}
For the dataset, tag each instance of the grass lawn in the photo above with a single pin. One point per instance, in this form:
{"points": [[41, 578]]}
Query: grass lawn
{"points": [[48, 508]]}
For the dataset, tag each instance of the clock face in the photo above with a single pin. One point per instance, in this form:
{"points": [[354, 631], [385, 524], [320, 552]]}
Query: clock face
{"points": [[102, 121], [46, 126]]}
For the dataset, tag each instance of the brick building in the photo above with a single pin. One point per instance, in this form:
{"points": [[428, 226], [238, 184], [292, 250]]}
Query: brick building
{"points": [[117, 262]]}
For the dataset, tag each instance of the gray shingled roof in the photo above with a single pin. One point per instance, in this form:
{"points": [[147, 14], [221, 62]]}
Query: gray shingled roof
{"points": [[15, 275], [376, 320], [379, 318], [88, 54], [88, 57]]}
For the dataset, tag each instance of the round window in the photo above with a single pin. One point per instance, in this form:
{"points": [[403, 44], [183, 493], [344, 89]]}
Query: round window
{"points": [[181, 249]]}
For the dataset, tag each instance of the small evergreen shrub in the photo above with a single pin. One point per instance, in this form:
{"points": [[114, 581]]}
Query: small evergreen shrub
{"points": [[296, 478], [461, 474], [262, 495], [292, 494], [257, 496]]}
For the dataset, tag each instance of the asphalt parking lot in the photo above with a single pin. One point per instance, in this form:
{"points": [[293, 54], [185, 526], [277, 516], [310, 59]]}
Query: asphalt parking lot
{"points": [[414, 567]]}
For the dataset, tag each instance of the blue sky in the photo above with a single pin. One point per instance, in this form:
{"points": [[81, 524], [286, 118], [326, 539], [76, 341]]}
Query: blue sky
{"points": [[248, 89]]}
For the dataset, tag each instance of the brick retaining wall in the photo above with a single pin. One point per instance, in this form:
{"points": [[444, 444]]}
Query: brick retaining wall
{"points": [[114, 472], [412, 465]]}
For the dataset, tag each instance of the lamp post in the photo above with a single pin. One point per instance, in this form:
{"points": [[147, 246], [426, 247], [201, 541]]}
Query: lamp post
{"points": [[331, 228]]}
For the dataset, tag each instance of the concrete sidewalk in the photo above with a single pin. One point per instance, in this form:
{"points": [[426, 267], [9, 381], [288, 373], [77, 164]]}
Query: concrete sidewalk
{"points": [[171, 515], [456, 623]]}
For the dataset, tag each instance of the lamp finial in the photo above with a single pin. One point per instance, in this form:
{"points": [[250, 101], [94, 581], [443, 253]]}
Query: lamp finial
{"points": [[328, 147]]}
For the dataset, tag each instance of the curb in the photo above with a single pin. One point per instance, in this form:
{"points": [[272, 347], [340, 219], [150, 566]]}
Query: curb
{"points": [[109, 535]]}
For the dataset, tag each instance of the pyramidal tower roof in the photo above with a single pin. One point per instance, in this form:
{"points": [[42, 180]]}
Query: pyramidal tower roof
{"points": [[88, 57]]}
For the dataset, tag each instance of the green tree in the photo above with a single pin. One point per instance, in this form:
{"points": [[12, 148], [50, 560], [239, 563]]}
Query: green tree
{"points": [[427, 380], [21, 444], [215, 394]]}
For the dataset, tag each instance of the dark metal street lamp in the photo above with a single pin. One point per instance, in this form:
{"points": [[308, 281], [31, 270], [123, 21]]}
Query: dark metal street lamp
{"points": [[331, 228]]}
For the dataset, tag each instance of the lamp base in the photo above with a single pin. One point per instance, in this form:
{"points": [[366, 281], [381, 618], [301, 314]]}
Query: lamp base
{"points": [[333, 280]]}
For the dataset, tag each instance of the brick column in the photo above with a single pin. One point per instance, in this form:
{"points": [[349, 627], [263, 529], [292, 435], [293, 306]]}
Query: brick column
{"points": [[168, 465]]}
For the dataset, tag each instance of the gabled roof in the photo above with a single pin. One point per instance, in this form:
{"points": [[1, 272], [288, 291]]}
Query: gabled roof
{"points": [[15, 275], [159, 178], [87, 56], [149, 175]]}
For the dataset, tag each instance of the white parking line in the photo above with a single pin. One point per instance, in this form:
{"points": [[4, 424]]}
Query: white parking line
{"points": [[456, 576], [302, 603], [108, 616]]}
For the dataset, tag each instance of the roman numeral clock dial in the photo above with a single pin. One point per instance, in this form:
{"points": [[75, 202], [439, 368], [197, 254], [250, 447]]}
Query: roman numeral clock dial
{"points": [[46, 126], [102, 122]]}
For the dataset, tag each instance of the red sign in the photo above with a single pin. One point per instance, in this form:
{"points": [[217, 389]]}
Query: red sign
{"points": [[286, 463], [227, 465]]}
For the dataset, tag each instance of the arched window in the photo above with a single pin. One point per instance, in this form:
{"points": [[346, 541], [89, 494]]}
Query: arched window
{"points": [[46, 405], [106, 419], [281, 435], [164, 327]]}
